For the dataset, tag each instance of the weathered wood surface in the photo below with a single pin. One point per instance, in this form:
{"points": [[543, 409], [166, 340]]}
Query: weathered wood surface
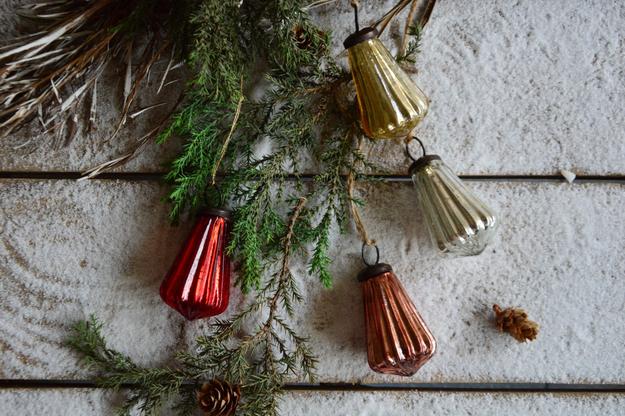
{"points": [[69, 249], [525, 87], [98, 402], [517, 88]]}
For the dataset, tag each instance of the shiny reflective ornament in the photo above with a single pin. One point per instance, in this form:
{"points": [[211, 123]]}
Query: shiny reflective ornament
{"points": [[398, 341], [198, 283], [390, 104], [458, 221]]}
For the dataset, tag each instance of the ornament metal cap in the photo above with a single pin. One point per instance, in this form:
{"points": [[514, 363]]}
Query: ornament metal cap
{"points": [[373, 271], [360, 36], [422, 162], [219, 212]]}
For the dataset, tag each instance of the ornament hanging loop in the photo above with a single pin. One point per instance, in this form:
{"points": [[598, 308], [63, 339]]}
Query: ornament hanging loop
{"points": [[377, 254], [410, 155], [355, 4]]}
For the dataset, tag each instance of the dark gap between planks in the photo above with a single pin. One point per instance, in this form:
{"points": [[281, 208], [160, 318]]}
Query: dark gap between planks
{"points": [[341, 386], [158, 176]]}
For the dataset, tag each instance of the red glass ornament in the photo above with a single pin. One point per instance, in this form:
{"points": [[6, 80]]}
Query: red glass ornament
{"points": [[198, 283], [398, 341]]}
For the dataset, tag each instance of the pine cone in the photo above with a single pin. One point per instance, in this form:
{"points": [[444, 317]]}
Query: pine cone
{"points": [[304, 40], [218, 398], [515, 322]]}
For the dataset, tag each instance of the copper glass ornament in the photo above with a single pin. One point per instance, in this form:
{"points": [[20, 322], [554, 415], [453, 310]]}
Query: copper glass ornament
{"points": [[389, 102], [398, 341], [458, 221], [198, 283]]}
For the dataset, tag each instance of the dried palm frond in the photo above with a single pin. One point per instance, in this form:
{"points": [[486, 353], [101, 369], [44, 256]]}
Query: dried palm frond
{"points": [[50, 72], [420, 11]]}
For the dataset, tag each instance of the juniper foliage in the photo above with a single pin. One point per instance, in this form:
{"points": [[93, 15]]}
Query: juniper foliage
{"points": [[296, 115], [409, 56], [267, 101]]}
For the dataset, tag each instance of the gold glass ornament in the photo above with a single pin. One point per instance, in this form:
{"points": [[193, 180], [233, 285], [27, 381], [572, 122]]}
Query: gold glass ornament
{"points": [[389, 102]]}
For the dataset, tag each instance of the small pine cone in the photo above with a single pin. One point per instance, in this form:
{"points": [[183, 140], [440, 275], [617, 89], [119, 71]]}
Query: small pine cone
{"points": [[304, 40], [515, 322], [218, 398]]}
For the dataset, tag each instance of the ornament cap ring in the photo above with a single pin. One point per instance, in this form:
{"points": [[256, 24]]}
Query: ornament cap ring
{"points": [[377, 254], [424, 160], [415, 138]]}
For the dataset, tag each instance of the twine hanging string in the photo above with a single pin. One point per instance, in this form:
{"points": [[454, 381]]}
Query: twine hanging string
{"points": [[233, 127], [351, 180], [409, 20], [420, 11], [360, 226], [383, 22]]}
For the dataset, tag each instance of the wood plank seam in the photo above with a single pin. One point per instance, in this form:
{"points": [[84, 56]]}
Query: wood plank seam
{"points": [[346, 386], [156, 176]]}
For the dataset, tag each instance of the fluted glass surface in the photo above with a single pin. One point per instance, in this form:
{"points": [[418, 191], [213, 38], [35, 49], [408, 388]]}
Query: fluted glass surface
{"points": [[198, 283], [458, 221], [390, 103], [398, 341]]}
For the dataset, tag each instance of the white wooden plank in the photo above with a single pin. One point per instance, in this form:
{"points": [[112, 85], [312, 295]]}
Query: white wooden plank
{"points": [[70, 249], [456, 404], [73, 402], [523, 87], [97, 402], [554, 255], [527, 87], [102, 249]]}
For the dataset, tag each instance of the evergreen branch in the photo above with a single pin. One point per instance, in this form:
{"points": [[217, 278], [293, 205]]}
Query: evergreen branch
{"points": [[150, 387], [304, 110], [222, 153], [261, 381], [413, 47]]}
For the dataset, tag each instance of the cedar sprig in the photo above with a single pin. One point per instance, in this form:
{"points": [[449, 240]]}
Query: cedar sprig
{"points": [[259, 362], [280, 213], [297, 103], [150, 386], [413, 48]]}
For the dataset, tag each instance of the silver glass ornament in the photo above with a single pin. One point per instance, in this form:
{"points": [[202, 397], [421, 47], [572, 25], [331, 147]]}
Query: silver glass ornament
{"points": [[458, 221]]}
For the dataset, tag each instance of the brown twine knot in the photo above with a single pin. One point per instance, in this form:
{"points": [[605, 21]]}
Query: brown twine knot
{"points": [[515, 322]]}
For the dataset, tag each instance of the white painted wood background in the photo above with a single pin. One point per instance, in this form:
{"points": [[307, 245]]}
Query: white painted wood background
{"points": [[519, 88]]}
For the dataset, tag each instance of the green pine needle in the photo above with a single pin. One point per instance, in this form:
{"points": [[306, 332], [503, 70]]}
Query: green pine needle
{"points": [[299, 122], [414, 46]]}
